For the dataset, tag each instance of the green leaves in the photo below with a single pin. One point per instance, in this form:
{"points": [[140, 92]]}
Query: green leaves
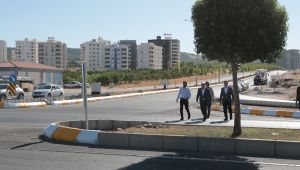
{"points": [[239, 31]]}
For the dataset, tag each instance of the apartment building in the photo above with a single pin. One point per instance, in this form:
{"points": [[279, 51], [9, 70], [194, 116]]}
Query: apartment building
{"points": [[149, 56], [92, 52], [290, 59], [117, 57], [26, 50], [3, 51], [132, 51], [171, 51], [53, 53]]}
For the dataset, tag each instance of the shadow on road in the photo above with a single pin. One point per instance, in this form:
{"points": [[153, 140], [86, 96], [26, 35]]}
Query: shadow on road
{"points": [[186, 161], [218, 122], [173, 121], [27, 144]]}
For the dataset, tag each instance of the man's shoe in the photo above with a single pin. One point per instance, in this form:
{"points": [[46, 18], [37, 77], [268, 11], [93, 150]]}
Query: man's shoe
{"points": [[189, 118], [226, 119], [230, 118], [181, 119]]}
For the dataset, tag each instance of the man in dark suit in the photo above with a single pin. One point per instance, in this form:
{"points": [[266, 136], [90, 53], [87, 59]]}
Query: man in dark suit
{"points": [[226, 98], [298, 96], [204, 97]]}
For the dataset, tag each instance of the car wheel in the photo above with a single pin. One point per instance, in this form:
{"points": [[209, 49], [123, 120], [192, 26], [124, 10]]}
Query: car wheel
{"points": [[21, 96]]}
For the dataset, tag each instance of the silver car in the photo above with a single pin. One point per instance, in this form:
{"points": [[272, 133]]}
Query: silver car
{"points": [[5, 95], [48, 90]]}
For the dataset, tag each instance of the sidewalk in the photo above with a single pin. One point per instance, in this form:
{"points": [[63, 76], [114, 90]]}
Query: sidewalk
{"points": [[244, 123]]}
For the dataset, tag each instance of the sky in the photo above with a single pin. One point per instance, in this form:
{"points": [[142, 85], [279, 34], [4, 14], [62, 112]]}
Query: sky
{"points": [[78, 21]]}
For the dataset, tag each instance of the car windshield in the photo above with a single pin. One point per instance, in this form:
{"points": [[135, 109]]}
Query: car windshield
{"points": [[44, 87], [3, 86]]}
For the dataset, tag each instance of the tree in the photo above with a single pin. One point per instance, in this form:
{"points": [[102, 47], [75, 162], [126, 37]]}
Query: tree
{"points": [[237, 32]]}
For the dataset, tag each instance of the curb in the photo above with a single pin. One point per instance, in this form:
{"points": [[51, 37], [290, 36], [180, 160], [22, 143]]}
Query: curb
{"points": [[61, 132], [24, 105], [261, 112], [94, 99]]}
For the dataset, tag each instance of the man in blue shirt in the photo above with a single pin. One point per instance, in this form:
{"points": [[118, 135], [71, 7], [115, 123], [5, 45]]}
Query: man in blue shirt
{"points": [[184, 94]]}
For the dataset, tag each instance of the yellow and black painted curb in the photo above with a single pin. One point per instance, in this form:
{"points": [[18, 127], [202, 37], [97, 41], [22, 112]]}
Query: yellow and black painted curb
{"points": [[262, 112]]}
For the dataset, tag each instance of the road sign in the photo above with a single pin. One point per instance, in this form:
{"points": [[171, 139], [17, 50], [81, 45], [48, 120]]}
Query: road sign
{"points": [[12, 78], [11, 88]]}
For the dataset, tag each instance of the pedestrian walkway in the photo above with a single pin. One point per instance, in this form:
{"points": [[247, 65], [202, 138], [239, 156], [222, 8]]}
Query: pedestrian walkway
{"points": [[244, 123]]}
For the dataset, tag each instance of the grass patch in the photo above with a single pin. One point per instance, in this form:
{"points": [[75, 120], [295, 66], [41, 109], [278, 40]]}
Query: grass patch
{"points": [[217, 131]]}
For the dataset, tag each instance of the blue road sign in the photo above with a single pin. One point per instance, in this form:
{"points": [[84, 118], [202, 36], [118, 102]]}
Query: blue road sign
{"points": [[12, 78]]}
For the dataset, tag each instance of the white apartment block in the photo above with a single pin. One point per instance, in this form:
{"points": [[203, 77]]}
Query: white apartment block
{"points": [[175, 53], [93, 52], [26, 50], [3, 51], [53, 53], [290, 59], [149, 56], [117, 57], [171, 50]]}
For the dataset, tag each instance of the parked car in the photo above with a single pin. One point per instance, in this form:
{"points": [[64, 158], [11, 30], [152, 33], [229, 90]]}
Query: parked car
{"points": [[4, 93], [48, 90], [244, 84], [41, 84], [73, 84], [240, 88]]}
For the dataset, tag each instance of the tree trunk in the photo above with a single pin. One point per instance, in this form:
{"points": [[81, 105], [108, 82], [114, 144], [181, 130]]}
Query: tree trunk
{"points": [[237, 130]]}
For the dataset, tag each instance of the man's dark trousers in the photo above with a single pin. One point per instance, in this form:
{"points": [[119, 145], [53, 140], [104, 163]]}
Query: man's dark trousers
{"points": [[227, 105], [184, 102], [203, 106]]}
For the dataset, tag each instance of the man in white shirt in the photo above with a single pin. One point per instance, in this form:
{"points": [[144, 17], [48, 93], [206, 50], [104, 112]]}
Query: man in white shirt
{"points": [[184, 94]]}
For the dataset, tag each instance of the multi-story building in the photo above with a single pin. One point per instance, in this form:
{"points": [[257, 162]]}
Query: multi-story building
{"points": [[117, 57], [171, 51], [290, 59], [92, 52], [3, 51], [26, 50], [149, 56], [53, 53], [132, 51]]}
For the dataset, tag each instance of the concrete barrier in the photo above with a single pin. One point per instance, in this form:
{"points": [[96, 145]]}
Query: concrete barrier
{"points": [[273, 148], [287, 149], [255, 147], [180, 143], [24, 105], [216, 145], [146, 141], [114, 139]]}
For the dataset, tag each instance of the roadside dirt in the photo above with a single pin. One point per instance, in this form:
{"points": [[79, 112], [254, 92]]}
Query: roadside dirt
{"points": [[286, 90]]}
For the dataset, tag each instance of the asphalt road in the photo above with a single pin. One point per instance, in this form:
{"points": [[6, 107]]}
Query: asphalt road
{"points": [[22, 149], [21, 146]]}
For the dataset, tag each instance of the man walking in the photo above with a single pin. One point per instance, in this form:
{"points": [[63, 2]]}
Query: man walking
{"points": [[212, 98], [298, 96], [204, 97], [184, 94], [226, 98]]}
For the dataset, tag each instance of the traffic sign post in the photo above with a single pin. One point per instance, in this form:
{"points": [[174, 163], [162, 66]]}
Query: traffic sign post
{"points": [[11, 88], [12, 78]]}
